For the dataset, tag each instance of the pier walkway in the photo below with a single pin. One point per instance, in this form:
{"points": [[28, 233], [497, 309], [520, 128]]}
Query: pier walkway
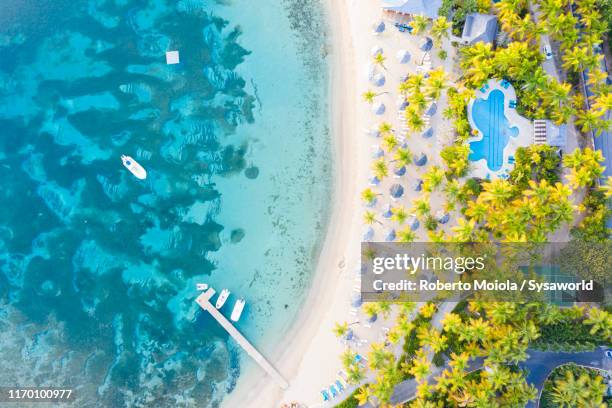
{"points": [[204, 301]]}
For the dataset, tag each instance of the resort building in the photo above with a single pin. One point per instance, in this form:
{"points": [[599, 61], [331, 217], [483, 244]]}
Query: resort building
{"points": [[546, 132], [427, 8], [479, 27]]}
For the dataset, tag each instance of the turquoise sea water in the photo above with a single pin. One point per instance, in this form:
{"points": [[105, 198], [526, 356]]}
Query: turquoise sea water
{"points": [[488, 115], [97, 268]]}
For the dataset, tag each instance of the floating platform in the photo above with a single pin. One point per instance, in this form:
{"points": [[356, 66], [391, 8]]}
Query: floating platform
{"points": [[172, 57]]}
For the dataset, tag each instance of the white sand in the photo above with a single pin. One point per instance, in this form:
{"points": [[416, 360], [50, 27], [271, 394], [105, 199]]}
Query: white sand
{"points": [[308, 356]]}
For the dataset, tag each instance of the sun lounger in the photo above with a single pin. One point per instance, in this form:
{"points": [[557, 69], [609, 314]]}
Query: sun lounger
{"points": [[324, 395], [339, 385], [333, 391]]}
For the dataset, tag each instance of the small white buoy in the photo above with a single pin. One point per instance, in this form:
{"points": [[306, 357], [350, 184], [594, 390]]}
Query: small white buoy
{"points": [[172, 57], [201, 286]]}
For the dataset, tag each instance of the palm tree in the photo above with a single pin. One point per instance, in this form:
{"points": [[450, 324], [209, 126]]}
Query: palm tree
{"points": [[399, 214], [369, 217], [406, 235], [433, 178], [369, 196], [421, 206], [497, 192], [439, 29], [570, 391], [348, 358], [419, 24], [355, 374], [364, 395], [385, 128], [600, 321], [452, 322], [390, 142], [574, 58], [464, 230], [380, 169], [421, 367], [435, 83], [369, 96], [340, 329], [402, 157], [379, 59], [591, 120]]}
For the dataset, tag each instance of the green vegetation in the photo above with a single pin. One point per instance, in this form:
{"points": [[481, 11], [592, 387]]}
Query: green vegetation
{"points": [[350, 402], [542, 194], [458, 10], [569, 330], [536, 162], [573, 386]]}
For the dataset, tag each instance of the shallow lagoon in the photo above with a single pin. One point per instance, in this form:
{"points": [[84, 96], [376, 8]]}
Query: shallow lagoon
{"points": [[98, 269]]}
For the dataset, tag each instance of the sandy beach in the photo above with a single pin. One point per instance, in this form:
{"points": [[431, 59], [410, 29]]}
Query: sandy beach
{"points": [[310, 351]]}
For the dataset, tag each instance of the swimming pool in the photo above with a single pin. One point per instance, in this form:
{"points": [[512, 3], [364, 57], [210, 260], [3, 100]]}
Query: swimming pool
{"points": [[488, 117]]}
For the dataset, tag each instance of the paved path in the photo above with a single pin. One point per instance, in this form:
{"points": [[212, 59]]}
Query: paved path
{"points": [[539, 365]]}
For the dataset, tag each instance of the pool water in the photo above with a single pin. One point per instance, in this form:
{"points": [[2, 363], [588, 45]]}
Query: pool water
{"points": [[488, 116]]}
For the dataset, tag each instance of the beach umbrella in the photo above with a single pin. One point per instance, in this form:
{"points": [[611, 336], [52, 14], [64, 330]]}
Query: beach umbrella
{"points": [[399, 171], [443, 218], [356, 300], [387, 213], [374, 181], [417, 185], [374, 132], [349, 335], [420, 160], [432, 109], [403, 56], [376, 50], [378, 152], [378, 108], [390, 236], [428, 133], [426, 44], [396, 190], [378, 79], [373, 318], [413, 223], [404, 77], [378, 27], [402, 104], [368, 234]]}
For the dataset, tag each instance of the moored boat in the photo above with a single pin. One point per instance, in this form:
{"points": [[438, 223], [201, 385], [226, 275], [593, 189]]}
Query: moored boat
{"points": [[134, 167], [238, 307], [222, 298]]}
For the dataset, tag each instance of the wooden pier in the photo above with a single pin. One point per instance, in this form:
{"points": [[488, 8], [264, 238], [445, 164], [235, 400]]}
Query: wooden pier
{"points": [[204, 302]]}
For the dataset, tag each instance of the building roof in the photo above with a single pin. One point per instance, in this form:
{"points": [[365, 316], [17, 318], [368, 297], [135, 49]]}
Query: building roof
{"points": [[479, 27], [427, 8]]}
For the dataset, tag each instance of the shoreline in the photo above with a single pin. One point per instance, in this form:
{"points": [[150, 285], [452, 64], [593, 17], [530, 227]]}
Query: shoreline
{"points": [[313, 326]]}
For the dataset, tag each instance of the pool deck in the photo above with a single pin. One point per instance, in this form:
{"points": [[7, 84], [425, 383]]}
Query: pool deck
{"points": [[524, 138], [204, 301]]}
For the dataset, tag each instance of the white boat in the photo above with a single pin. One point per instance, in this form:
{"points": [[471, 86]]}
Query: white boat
{"points": [[238, 307], [201, 286], [222, 298], [134, 168]]}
